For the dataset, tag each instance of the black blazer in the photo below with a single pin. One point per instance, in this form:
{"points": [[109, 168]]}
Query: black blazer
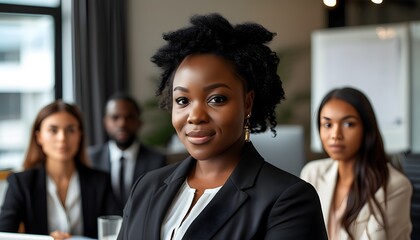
{"points": [[258, 201], [26, 201], [147, 159]]}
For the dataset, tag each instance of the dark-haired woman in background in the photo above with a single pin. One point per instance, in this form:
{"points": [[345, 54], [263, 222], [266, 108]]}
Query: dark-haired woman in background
{"points": [[362, 195], [220, 82], [57, 194]]}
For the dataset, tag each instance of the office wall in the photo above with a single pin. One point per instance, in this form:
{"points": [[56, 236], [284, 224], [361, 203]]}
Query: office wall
{"points": [[148, 19]]}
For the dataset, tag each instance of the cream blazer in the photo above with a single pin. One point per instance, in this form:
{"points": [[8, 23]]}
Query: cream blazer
{"points": [[322, 174]]}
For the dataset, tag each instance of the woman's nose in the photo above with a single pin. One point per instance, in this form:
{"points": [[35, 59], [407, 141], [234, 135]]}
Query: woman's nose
{"points": [[336, 133], [198, 114], [61, 135]]}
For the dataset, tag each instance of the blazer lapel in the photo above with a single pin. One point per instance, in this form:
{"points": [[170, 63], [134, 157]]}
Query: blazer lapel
{"points": [[140, 165], [326, 188], [40, 202], [164, 196], [217, 212], [106, 159], [360, 227], [101, 158], [229, 198], [86, 196]]}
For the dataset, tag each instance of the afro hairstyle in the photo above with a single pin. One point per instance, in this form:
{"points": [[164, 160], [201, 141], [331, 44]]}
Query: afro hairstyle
{"points": [[244, 45]]}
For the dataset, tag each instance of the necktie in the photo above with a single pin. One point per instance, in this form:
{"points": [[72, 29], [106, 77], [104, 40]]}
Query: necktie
{"points": [[122, 179]]}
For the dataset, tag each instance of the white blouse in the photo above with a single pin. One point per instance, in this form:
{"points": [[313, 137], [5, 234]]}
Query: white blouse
{"points": [[173, 227], [66, 218]]}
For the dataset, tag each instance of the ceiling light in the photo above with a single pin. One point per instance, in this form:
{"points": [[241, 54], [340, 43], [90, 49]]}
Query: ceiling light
{"points": [[330, 3]]}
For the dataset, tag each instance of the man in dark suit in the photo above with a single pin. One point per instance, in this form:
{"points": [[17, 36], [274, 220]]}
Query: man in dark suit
{"points": [[123, 156]]}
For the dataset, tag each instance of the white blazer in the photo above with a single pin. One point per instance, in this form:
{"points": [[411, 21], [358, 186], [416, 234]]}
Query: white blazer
{"points": [[322, 174]]}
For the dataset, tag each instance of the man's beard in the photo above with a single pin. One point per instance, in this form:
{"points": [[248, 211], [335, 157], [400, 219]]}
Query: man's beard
{"points": [[125, 144]]}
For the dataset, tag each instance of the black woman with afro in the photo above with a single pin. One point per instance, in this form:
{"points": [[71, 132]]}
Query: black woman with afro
{"points": [[220, 82]]}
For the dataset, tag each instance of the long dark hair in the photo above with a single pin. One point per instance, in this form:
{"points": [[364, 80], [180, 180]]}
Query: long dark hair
{"points": [[370, 170], [34, 154]]}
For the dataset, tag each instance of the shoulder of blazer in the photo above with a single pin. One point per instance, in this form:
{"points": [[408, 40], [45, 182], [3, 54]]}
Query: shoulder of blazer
{"points": [[316, 168], [99, 156], [86, 172], [165, 174], [321, 164], [95, 150], [398, 181], [144, 149], [29, 176]]}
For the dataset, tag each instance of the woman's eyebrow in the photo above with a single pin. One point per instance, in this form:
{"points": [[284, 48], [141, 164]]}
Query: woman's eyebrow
{"points": [[214, 86]]}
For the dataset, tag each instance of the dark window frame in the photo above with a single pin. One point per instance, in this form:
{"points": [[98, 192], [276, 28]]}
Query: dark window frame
{"points": [[55, 13]]}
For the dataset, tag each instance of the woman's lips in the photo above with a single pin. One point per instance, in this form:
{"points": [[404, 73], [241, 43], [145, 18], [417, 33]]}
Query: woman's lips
{"points": [[63, 149], [200, 136], [336, 147]]}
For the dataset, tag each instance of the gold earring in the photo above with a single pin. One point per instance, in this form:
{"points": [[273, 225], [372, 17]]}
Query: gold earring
{"points": [[246, 128]]}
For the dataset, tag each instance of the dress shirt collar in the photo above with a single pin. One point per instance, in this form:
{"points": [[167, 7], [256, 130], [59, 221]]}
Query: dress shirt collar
{"points": [[129, 154]]}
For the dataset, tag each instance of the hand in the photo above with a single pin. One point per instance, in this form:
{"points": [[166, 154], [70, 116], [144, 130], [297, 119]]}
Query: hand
{"points": [[58, 235]]}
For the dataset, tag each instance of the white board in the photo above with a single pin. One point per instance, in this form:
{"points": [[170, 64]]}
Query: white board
{"points": [[415, 89], [373, 59]]}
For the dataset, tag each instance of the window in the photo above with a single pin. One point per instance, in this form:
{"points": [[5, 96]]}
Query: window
{"points": [[45, 3], [30, 70]]}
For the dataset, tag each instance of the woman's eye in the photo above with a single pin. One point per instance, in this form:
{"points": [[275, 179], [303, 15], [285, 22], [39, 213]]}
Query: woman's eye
{"points": [[53, 130], [181, 101], [326, 125], [348, 124], [71, 130], [217, 99]]}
